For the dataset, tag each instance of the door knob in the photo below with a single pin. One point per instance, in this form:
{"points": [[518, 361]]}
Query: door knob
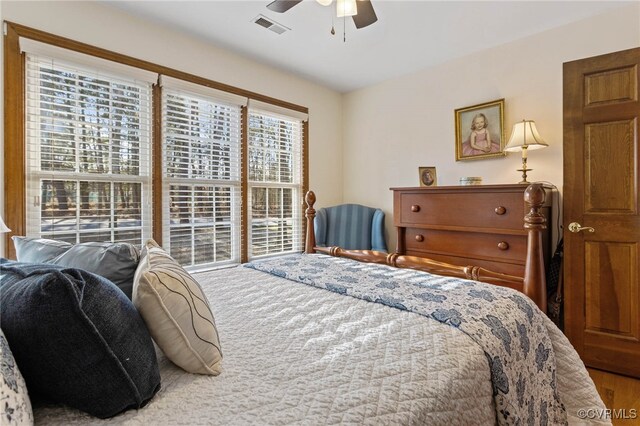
{"points": [[575, 227]]}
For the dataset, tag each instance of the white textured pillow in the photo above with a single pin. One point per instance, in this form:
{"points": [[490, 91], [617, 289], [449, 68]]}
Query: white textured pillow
{"points": [[15, 407], [176, 312]]}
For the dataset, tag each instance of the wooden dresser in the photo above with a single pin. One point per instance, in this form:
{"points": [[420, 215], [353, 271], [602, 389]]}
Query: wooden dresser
{"points": [[480, 225]]}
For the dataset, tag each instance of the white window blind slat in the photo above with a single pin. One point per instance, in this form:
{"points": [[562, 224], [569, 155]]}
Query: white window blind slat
{"points": [[201, 138], [98, 65], [88, 165], [272, 110], [275, 183], [208, 92]]}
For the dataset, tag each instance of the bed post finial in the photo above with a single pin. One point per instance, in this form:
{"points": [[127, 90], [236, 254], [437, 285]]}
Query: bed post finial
{"points": [[535, 283], [310, 214]]}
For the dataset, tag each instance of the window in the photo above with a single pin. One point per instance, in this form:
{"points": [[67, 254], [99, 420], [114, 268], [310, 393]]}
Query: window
{"points": [[88, 142], [201, 175], [82, 134], [275, 183]]}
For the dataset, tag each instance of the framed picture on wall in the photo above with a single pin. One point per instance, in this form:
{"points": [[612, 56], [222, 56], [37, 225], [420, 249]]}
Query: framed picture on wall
{"points": [[480, 131], [428, 176]]}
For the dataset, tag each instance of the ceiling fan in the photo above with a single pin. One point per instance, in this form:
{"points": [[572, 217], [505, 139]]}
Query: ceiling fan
{"points": [[361, 10]]}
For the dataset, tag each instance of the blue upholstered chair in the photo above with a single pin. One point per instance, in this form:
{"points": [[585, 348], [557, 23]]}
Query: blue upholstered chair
{"points": [[350, 226]]}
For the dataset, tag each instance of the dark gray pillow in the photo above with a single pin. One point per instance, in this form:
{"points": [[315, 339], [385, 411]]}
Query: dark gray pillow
{"points": [[76, 338], [117, 262], [38, 250]]}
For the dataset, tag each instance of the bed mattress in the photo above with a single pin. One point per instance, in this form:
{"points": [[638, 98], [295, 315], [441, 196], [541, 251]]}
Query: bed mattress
{"points": [[300, 355]]}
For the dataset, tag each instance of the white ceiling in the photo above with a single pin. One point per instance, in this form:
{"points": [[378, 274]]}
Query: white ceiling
{"points": [[409, 35]]}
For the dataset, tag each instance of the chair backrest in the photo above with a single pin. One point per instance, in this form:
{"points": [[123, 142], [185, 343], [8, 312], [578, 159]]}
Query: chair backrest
{"points": [[350, 226]]}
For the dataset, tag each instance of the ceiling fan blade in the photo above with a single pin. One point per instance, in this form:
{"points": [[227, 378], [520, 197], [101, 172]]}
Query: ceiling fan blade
{"points": [[282, 6], [366, 15]]}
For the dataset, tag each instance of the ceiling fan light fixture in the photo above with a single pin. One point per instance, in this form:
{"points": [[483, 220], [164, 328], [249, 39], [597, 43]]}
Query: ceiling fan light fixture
{"points": [[325, 2], [346, 8]]}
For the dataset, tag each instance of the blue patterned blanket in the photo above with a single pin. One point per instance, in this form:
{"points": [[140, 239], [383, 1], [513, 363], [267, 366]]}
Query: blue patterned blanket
{"points": [[507, 325]]}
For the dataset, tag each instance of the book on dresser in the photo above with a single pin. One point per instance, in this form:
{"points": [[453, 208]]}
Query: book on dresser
{"points": [[480, 225]]}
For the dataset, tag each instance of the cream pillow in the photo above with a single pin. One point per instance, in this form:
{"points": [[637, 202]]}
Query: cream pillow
{"points": [[176, 312]]}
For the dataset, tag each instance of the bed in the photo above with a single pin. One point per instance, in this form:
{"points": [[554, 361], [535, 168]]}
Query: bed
{"points": [[321, 339]]}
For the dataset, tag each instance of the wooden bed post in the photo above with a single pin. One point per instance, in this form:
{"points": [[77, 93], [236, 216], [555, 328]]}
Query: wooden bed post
{"points": [[535, 283], [310, 214]]}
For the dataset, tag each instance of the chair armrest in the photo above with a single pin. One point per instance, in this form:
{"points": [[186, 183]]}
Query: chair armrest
{"points": [[378, 241], [320, 226]]}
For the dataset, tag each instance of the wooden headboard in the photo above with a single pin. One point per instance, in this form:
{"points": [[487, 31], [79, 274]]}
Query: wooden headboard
{"points": [[533, 283]]}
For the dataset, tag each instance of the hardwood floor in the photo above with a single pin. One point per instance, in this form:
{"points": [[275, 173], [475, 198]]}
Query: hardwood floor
{"points": [[620, 394]]}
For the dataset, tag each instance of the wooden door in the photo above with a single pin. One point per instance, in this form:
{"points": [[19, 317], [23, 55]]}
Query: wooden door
{"points": [[601, 179]]}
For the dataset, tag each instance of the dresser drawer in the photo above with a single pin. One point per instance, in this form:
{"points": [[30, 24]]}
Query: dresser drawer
{"points": [[496, 247], [482, 209]]}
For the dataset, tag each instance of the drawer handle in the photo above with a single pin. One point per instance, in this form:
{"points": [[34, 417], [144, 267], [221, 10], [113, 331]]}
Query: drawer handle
{"points": [[419, 238], [500, 210], [503, 245], [415, 208]]}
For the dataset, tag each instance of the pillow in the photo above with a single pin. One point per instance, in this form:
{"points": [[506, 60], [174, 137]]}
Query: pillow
{"points": [[76, 338], [177, 312], [15, 406], [38, 250], [117, 262]]}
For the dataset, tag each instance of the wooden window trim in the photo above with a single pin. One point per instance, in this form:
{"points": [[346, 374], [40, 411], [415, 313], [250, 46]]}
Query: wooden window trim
{"points": [[14, 122], [156, 164], [15, 213], [244, 187], [66, 43]]}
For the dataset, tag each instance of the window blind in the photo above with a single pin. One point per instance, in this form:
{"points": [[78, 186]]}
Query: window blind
{"points": [[87, 148], [201, 138], [275, 183]]}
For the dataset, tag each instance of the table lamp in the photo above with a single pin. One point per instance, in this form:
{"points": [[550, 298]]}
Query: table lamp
{"points": [[524, 137], [3, 227]]}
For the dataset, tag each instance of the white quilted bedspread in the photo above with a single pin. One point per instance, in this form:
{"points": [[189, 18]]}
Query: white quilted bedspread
{"points": [[294, 354]]}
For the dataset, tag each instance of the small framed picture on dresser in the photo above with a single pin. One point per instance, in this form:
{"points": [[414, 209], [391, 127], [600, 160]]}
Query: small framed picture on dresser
{"points": [[428, 176], [480, 131]]}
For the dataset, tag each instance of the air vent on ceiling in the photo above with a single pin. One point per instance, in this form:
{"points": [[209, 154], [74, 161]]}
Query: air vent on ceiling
{"points": [[263, 21]]}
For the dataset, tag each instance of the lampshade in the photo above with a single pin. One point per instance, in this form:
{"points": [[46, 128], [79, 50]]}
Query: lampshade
{"points": [[324, 2], [525, 135], [3, 227], [346, 8]]}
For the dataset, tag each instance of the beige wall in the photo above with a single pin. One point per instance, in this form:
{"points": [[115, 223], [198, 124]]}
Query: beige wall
{"points": [[102, 26], [392, 128]]}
